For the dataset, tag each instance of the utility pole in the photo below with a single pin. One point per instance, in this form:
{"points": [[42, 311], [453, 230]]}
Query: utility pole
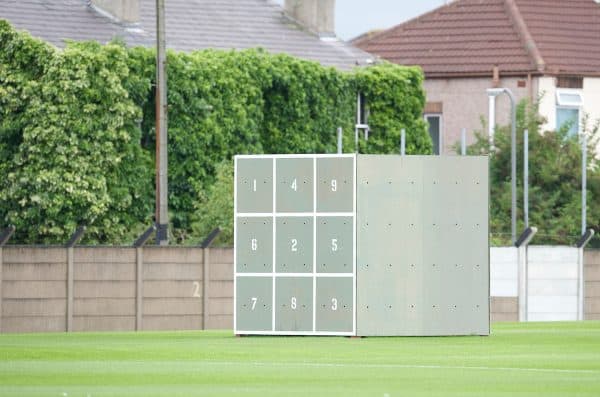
{"points": [[162, 205]]}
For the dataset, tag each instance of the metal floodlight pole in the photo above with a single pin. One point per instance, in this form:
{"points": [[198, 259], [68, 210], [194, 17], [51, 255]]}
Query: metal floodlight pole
{"points": [[526, 176], [162, 215], [463, 142], [583, 183], [513, 110], [339, 140], [403, 142]]}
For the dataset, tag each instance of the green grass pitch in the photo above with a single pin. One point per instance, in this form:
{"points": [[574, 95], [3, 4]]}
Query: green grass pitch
{"points": [[535, 359]]}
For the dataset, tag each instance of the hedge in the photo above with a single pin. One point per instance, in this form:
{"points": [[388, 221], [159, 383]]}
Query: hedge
{"points": [[77, 129]]}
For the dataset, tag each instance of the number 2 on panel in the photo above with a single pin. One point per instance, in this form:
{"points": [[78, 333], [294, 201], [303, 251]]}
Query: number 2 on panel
{"points": [[254, 244], [294, 245], [254, 300]]}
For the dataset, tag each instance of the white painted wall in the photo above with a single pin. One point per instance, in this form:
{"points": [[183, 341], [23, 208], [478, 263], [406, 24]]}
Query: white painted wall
{"points": [[552, 283], [503, 272], [552, 280]]}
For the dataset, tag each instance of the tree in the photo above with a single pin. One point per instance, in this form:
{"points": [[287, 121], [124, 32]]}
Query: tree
{"points": [[554, 179]]}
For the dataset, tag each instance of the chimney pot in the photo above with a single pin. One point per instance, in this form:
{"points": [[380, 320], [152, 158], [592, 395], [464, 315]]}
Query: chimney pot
{"points": [[127, 11], [316, 15]]}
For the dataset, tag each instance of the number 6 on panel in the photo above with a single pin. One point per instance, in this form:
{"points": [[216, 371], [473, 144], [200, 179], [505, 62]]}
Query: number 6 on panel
{"points": [[254, 244]]}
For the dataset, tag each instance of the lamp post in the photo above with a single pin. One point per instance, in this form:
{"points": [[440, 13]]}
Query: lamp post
{"points": [[494, 92]]}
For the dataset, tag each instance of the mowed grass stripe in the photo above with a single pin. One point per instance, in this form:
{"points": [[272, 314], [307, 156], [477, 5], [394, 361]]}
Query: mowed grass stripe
{"points": [[548, 359]]}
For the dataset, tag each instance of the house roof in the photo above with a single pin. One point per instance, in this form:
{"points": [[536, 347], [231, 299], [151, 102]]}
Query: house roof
{"points": [[190, 24], [470, 37]]}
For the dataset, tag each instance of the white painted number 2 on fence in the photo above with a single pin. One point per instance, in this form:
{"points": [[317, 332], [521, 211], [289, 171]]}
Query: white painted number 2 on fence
{"points": [[294, 245], [196, 293], [254, 300], [333, 304], [293, 305], [254, 244], [334, 185], [295, 185]]}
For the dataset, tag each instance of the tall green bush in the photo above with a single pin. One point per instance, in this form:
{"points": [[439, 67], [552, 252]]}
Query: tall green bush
{"points": [[77, 131]]}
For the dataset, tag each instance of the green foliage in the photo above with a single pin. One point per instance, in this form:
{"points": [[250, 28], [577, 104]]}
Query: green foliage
{"points": [[79, 160], [395, 99], [554, 180], [77, 130], [214, 207]]}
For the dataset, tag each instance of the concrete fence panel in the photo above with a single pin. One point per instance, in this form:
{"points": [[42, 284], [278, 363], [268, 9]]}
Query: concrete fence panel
{"points": [[592, 284]]}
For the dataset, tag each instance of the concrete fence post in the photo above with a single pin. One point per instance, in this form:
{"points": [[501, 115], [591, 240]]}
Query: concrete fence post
{"points": [[139, 275], [73, 240], [522, 244], [70, 284], [581, 243], [205, 287], [139, 287], [4, 237], [205, 245]]}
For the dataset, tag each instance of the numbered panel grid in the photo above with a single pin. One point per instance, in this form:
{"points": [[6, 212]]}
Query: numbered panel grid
{"points": [[294, 244]]}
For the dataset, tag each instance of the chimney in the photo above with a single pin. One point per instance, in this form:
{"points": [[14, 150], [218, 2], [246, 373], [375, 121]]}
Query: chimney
{"points": [[127, 11], [316, 15]]}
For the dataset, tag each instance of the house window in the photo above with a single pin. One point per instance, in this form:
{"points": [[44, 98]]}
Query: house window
{"points": [[435, 131], [568, 110]]}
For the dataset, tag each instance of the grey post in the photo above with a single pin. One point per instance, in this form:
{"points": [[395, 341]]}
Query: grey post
{"points": [[339, 140], [75, 237], [463, 142], [522, 243], [162, 206], [403, 142], [513, 110], [583, 241], [4, 237], [583, 183], [139, 275], [526, 177], [205, 245]]}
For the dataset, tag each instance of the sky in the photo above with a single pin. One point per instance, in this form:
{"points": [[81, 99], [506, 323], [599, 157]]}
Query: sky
{"points": [[354, 17]]}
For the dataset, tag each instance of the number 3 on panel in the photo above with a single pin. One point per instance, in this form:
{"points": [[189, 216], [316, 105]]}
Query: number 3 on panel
{"points": [[293, 305], [254, 244], [333, 304]]}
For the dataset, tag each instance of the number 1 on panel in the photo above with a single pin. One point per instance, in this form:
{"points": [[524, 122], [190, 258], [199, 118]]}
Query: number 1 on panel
{"points": [[254, 185]]}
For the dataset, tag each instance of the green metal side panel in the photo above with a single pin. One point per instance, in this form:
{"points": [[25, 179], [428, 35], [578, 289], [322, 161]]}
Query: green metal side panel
{"points": [[335, 184], [294, 304], [254, 185], [334, 304], [422, 245], [295, 188], [294, 245], [254, 245], [335, 245], [254, 303]]}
